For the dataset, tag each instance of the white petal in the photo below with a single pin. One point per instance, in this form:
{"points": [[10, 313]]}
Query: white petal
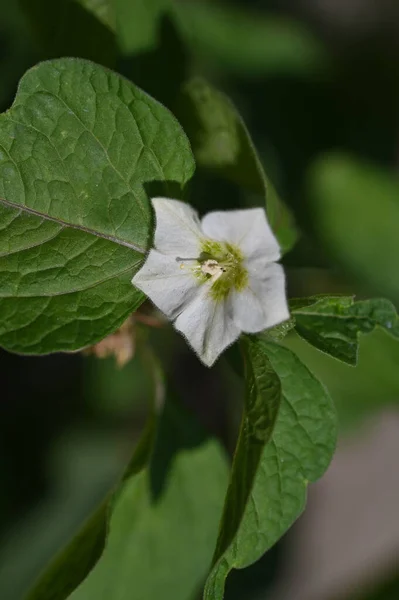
{"points": [[207, 326], [168, 286], [177, 228], [263, 303], [248, 229]]}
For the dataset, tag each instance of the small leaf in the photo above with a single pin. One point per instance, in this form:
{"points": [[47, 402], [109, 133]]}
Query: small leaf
{"points": [[164, 519], [284, 443], [356, 215], [333, 323], [78, 150], [358, 393], [221, 142]]}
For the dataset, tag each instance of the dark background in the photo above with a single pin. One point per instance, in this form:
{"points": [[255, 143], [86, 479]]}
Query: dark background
{"points": [[68, 422]]}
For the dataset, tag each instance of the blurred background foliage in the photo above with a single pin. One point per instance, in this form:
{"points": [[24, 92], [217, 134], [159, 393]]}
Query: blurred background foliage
{"points": [[316, 83]]}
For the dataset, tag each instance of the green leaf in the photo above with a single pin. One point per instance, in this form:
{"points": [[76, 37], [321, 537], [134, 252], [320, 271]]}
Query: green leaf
{"points": [[221, 142], [52, 24], [249, 44], [77, 559], [245, 43], [333, 323], [164, 519], [80, 151], [355, 208], [278, 332], [72, 565], [358, 393], [67, 570], [284, 443]]}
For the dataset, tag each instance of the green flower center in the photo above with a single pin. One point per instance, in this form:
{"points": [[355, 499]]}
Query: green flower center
{"points": [[223, 263]]}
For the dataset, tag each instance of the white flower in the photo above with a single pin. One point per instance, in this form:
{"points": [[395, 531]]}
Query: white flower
{"points": [[214, 278]]}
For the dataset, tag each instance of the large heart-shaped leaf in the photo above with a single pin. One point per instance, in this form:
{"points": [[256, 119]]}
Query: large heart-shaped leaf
{"points": [[284, 443], [79, 151], [333, 323]]}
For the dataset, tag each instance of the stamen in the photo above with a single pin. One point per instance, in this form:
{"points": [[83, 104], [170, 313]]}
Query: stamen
{"points": [[180, 259], [212, 267]]}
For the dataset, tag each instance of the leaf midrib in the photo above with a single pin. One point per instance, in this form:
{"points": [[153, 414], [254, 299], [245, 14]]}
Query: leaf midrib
{"points": [[75, 290], [64, 224]]}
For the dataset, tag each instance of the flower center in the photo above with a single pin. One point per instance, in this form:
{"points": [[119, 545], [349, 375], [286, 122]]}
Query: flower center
{"points": [[222, 263]]}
